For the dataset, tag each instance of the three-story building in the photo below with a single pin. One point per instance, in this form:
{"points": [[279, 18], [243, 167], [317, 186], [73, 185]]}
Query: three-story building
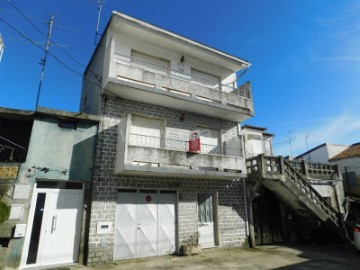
{"points": [[169, 164]]}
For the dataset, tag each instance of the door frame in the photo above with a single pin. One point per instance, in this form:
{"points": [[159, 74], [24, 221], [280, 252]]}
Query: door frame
{"points": [[215, 214], [30, 221]]}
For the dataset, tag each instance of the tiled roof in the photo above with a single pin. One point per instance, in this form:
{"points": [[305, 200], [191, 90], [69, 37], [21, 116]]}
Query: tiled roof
{"points": [[352, 151]]}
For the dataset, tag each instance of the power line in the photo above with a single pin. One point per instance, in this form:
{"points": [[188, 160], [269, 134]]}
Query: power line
{"points": [[40, 20], [44, 35], [66, 66], [38, 46]]}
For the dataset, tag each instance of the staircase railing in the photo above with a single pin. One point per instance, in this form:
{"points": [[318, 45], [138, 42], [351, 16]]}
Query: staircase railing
{"points": [[274, 167], [311, 193]]}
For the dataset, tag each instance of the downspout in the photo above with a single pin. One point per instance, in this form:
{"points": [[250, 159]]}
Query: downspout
{"points": [[251, 221], [246, 210]]}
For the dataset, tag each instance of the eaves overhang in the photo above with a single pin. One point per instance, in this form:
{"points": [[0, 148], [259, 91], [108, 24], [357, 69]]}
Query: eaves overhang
{"points": [[159, 97], [130, 25]]}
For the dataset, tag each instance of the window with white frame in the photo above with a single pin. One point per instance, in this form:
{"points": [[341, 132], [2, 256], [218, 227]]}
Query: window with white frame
{"points": [[210, 140], [152, 63], [146, 131], [206, 79]]}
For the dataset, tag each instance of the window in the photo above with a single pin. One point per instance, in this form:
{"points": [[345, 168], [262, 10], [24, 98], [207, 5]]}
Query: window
{"points": [[146, 131], [206, 79], [210, 140], [151, 63]]}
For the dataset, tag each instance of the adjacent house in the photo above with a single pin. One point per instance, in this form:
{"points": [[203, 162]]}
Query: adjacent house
{"points": [[46, 166], [348, 162], [257, 141], [169, 164], [322, 153]]}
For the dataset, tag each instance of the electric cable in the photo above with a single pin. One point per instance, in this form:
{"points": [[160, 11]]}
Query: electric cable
{"points": [[51, 42], [68, 67]]}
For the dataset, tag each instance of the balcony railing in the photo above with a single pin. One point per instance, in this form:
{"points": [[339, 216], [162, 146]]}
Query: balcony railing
{"points": [[179, 145], [243, 91]]}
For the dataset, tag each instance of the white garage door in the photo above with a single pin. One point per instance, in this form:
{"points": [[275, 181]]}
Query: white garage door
{"points": [[145, 224]]}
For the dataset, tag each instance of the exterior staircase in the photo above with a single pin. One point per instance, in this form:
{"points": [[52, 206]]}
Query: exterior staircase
{"points": [[288, 180]]}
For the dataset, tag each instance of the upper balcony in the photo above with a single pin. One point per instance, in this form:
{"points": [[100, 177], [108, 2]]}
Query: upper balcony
{"points": [[139, 80], [153, 155]]}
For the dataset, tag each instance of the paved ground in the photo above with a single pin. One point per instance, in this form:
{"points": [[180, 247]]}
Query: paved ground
{"points": [[265, 257]]}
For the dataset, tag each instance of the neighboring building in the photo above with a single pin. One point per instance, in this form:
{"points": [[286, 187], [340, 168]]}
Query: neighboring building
{"points": [[153, 190], [257, 141], [46, 165], [322, 153], [348, 162]]}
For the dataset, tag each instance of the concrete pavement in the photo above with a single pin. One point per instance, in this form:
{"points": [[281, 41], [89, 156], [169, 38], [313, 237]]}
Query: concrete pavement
{"points": [[264, 257]]}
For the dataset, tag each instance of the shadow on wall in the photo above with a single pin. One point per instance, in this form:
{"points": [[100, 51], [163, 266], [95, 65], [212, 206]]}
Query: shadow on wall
{"points": [[82, 161]]}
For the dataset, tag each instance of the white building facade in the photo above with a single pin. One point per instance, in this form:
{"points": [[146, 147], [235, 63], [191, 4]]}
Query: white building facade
{"points": [[154, 188], [256, 141], [322, 153]]}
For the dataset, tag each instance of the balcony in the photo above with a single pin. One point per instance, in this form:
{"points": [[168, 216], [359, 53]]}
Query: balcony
{"points": [[147, 155], [142, 81]]}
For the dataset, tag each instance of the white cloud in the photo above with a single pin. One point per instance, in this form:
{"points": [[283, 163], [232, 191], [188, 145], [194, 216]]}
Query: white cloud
{"points": [[342, 129]]}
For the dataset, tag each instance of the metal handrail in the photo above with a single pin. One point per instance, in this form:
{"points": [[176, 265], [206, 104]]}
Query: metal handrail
{"points": [[241, 91], [180, 145]]}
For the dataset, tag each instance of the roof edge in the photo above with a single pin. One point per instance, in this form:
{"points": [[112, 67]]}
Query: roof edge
{"points": [[178, 37], [66, 114]]}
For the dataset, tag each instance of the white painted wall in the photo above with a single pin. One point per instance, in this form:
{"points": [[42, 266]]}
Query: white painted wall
{"points": [[352, 165], [334, 149], [124, 44], [324, 153]]}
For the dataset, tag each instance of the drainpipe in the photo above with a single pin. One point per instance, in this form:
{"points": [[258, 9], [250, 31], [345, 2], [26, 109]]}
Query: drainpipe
{"points": [[246, 209], [251, 221]]}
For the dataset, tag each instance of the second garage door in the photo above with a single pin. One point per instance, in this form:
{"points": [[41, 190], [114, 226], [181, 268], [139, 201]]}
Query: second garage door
{"points": [[145, 224]]}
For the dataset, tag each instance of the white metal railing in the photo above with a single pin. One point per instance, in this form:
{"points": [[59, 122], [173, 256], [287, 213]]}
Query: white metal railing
{"points": [[179, 145], [243, 91]]}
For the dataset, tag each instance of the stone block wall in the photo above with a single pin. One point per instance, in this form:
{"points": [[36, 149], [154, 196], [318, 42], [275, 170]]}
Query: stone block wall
{"points": [[231, 209], [231, 212]]}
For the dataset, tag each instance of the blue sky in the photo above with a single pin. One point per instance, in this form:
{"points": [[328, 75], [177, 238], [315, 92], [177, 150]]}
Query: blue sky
{"points": [[305, 56]]}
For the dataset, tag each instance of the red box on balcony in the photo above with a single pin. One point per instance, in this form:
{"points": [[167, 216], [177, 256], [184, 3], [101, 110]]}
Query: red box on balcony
{"points": [[194, 142]]}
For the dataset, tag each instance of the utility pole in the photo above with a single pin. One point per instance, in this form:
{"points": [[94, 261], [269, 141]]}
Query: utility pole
{"points": [[43, 61], [100, 4]]}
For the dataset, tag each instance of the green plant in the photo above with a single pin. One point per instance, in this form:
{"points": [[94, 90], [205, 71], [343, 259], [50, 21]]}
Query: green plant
{"points": [[4, 212], [191, 246]]}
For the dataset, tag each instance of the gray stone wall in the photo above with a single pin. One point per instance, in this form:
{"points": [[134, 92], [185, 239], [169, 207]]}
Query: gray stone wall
{"points": [[230, 193]]}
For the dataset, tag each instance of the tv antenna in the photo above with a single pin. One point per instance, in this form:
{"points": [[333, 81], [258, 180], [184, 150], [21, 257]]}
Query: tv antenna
{"points": [[290, 142], [100, 4], [43, 60], [307, 135]]}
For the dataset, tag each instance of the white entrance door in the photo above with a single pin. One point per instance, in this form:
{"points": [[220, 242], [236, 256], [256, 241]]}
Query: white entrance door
{"points": [[205, 220], [55, 232], [145, 224]]}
